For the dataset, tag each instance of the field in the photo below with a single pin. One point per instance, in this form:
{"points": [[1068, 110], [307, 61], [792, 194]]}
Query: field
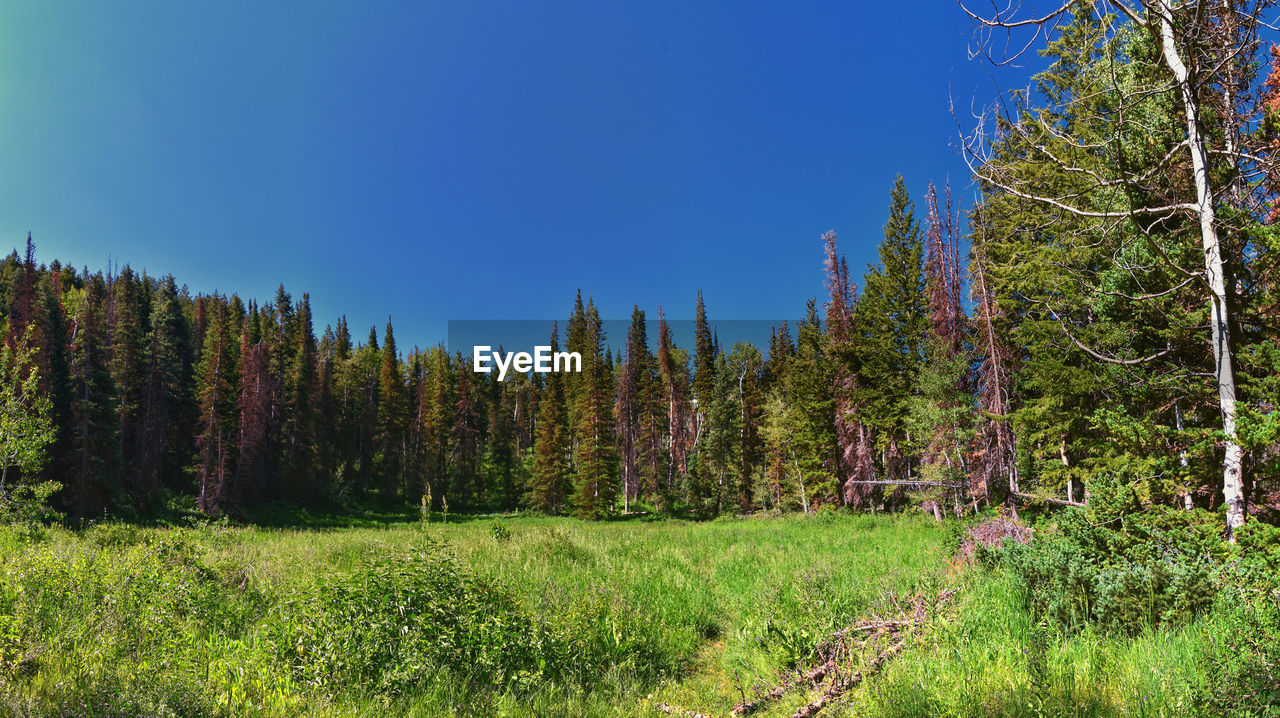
{"points": [[545, 617]]}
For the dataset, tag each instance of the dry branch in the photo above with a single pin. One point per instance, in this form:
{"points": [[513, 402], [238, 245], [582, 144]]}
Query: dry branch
{"points": [[817, 675], [1048, 499], [839, 688], [678, 711]]}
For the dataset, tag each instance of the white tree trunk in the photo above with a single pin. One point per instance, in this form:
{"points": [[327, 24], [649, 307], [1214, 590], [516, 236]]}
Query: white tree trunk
{"points": [[1219, 316], [1182, 455]]}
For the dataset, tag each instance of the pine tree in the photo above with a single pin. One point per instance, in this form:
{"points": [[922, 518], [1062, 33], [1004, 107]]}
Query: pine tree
{"points": [[673, 369], [299, 407], [253, 441], [328, 420], [165, 426], [366, 372], [940, 406], [732, 426], [438, 422], [549, 484], [704, 367], [128, 366], [348, 400], [391, 412], [594, 485], [500, 451], [216, 395], [635, 395], [466, 438], [96, 449], [891, 320], [799, 424]]}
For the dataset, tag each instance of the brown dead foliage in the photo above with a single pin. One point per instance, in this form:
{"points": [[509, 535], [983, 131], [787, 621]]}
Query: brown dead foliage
{"points": [[993, 533]]}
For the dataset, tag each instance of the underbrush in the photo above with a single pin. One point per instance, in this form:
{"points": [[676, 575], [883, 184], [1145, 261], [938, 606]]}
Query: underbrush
{"points": [[1111, 610], [502, 616], [400, 621]]}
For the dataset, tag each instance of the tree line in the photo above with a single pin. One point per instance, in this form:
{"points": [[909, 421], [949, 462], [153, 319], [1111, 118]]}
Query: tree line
{"points": [[1104, 312], [154, 392]]}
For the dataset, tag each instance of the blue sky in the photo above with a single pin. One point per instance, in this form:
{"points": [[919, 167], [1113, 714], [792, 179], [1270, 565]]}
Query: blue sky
{"points": [[436, 161]]}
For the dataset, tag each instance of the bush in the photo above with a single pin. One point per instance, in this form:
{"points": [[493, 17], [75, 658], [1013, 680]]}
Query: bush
{"points": [[1119, 566], [1239, 663], [400, 624], [825, 514], [500, 533], [31, 504], [399, 621]]}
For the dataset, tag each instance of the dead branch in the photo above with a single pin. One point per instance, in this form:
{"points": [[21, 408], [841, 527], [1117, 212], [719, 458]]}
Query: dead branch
{"points": [[813, 677], [839, 688], [1048, 499], [678, 711]]}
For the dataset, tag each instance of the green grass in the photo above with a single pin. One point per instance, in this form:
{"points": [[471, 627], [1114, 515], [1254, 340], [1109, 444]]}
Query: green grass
{"points": [[547, 617]]}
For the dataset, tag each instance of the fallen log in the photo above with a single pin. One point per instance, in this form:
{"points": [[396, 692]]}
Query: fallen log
{"points": [[872, 626], [814, 676], [914, 483], [839, 688], [839, 651]]}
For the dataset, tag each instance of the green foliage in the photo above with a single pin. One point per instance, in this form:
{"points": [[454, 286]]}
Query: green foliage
{"points": [[400, 620], [563, 617], [799, 424], [891, 321], [499, 532], [1154, 569], [1239, 664], [31, 504], [26, 429]]}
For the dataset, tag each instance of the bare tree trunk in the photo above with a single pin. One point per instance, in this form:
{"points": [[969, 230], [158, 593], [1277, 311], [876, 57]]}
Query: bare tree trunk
{"points": [[1219, 314], [804, 498], [1182, 455]]}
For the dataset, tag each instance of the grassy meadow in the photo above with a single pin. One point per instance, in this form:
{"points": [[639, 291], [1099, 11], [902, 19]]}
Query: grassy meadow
{"points": [[531, 616]]}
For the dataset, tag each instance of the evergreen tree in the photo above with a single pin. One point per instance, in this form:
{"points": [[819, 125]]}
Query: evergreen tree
{"points": [[95, 424], [891, 319], [216, 396], [466, 438], [673, 370], [499, 461], [253, 435], [300, 397], [704, 366], [391, 413], [126, 316], [165, 426], [800, 421], [594, 478], [438, 395], [635, 405], [549, 485]]}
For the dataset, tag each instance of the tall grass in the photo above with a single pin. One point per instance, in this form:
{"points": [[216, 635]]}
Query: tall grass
{"points": [[534, 617]]}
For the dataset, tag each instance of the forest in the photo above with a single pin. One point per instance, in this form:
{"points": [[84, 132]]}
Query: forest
{"points": [[1062, 398]]}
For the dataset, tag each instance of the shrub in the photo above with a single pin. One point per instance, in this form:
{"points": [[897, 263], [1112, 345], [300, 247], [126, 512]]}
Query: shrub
{"points": [[980, 540], [499, 532], [1239, 665], [399, 624], [400, 620], [825, 514], [1119, 566]]}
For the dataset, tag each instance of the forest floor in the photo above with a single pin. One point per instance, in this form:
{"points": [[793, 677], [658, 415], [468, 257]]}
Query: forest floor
{"points": [[840, 615]]}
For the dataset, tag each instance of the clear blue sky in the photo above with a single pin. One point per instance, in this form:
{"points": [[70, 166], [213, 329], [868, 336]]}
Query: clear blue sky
{"points": [[438, 161]]}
